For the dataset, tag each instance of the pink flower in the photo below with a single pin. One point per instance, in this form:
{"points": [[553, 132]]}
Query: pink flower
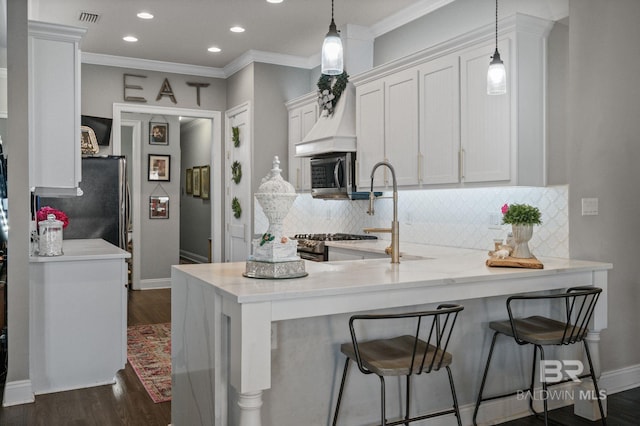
{"points": [[46, 211], [505, 208]]}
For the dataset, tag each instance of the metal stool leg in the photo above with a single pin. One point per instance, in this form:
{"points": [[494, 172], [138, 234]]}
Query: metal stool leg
{"points": [[544, 390], [484, 378], [455, 398], [533, 380], [344, 377], [408, 402], [595, 383], [383, 421]]}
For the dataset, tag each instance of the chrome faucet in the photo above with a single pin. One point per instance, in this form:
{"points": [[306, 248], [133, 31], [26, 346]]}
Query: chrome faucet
{"points": [[395, 226]]}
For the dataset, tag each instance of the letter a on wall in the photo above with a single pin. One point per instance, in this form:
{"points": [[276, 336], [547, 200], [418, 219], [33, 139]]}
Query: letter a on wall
{"points": [[166, 90]]}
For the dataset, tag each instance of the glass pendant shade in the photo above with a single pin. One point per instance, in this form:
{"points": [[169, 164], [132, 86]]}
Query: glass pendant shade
{"points": [[332, 54], [496, 76]]}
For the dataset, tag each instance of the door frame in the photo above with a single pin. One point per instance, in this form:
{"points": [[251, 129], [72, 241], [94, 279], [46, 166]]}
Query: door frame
{"points": [[216, 169]]}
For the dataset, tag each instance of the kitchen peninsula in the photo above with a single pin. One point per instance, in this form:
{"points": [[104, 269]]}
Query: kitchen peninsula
{"points": [[284, 335]]}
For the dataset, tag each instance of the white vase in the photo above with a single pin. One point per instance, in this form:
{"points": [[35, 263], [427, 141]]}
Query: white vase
{"points": [[521, 236]]}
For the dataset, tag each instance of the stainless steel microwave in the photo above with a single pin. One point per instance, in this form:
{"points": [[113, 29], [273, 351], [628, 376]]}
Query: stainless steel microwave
{"points": [[333, 175]]}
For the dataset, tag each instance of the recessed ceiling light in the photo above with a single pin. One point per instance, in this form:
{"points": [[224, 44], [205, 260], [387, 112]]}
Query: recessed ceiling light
{"points": [[130, 39], [274, 1], [214, 49], [236, 29], [145, 15]]}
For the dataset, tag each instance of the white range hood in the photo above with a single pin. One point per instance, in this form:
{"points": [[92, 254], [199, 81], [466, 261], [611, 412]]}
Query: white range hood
{"points": [[335, 133]]}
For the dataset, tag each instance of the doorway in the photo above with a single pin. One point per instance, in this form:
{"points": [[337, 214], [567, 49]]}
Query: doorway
{"points": [[139, 206]]}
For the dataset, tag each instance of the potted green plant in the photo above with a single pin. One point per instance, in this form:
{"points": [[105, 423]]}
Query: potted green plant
{"points": [[521, 217]]}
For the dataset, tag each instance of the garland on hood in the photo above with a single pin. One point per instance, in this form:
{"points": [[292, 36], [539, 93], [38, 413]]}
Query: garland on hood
{"points": [[330, 88]]}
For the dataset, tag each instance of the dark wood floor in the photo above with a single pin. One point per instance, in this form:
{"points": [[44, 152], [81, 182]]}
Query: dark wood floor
{"points": [[124, 403]]}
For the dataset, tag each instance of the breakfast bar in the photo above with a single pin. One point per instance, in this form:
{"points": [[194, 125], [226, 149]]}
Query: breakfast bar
{"points": [[233, 338]]}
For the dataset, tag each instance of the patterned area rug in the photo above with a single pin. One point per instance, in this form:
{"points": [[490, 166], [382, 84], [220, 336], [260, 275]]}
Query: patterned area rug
{"points": [[149, 353]]}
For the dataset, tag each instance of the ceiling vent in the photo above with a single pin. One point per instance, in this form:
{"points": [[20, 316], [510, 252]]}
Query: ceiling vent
{"points": [[89, 17]]}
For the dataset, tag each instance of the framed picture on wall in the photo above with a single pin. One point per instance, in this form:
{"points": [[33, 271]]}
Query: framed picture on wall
{"points": [[158, 133], [196, 181], [158, 207], [204, 182], [159, 167], [188, 182]]}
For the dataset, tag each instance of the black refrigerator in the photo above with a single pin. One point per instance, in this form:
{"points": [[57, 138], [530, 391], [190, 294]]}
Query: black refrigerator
{"points": [[102, 211]]}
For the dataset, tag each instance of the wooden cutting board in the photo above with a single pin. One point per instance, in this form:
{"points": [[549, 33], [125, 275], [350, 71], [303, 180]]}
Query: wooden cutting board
{"points": [[515, 262]]}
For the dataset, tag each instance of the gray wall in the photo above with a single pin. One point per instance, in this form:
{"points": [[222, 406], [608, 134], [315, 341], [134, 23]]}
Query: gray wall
{"points": [[604, 147], [195, 213], [274, 85], [102, 86]]}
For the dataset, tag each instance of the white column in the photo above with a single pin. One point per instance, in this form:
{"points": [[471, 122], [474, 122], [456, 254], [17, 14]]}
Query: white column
{"points": [[250, 404]]}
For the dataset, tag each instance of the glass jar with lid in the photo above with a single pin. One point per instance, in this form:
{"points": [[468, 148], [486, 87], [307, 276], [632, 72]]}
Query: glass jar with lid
{"points": [[50, 240]]}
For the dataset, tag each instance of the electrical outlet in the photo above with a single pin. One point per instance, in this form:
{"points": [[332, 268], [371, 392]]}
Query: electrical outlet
{"points": [[495, 221]]}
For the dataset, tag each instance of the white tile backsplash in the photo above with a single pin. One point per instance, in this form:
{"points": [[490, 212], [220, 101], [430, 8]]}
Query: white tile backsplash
{"points": [[448, 217]]}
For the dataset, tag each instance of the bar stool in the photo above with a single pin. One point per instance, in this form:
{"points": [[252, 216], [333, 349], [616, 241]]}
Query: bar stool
{"points": [[579, 304], [424, 351]]}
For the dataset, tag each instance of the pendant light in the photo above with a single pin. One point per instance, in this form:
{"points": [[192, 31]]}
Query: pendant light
{"points": [[332, 55], [497, 75]]}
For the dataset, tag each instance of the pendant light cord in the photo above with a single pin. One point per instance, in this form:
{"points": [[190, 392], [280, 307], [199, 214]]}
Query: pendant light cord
{"points": [[496, 22], [332, 10]]}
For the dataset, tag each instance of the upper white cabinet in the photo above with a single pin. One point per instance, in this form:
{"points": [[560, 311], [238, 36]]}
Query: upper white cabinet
{"points": [[303, 114], [439, 121], [387, 128], [54, 105], [429, 114], [485, 138]]}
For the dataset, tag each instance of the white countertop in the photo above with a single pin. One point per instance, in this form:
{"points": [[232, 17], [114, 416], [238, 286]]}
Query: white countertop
{"points": [[89, 249], [445, 266]]}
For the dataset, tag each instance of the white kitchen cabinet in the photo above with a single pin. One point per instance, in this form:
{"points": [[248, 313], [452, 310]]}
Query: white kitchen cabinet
{"points": [[78, 316], [387, 128], [339, 254], [439, 121], [54, 108], [485, 136], [303, 114], [437, 98]]}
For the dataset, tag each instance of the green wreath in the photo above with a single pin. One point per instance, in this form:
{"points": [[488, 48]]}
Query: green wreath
{"points": [[330, 88], [236, 172], [235, 206], [236, 136]]}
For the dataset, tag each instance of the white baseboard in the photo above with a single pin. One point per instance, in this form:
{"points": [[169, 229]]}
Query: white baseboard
{"points": [[18, 392], [620, 380], [156, 283], [193, 257]]}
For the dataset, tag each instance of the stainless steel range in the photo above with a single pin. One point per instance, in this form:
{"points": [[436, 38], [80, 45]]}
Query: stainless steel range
{"points": [[312, 247]]}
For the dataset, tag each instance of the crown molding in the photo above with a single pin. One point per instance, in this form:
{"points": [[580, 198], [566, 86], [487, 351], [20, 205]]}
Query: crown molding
{"points": [[267, 58], [406, 15], [150, 65]]}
